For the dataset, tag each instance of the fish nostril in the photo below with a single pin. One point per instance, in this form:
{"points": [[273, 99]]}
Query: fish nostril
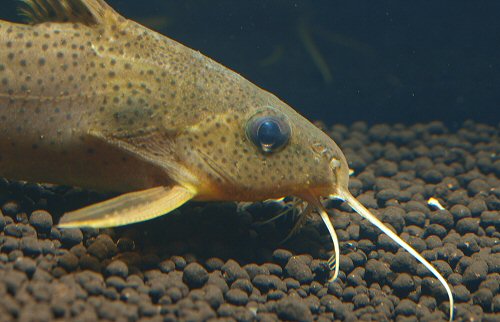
{"points": [[319, 148]]}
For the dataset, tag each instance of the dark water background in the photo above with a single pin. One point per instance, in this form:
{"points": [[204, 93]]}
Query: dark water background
{"points": [[386, 61]]}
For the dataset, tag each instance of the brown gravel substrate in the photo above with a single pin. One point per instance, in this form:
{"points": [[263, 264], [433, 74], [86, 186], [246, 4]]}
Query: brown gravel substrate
{"points": [[208, 261]]}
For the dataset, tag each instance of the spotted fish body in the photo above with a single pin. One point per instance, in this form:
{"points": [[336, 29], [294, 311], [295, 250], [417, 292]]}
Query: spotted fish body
{"points": [[64, 82], [89, 98], [59, 81]]}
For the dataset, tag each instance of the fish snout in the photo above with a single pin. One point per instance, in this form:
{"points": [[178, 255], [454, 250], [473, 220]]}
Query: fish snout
{"points": [[336, 164]]}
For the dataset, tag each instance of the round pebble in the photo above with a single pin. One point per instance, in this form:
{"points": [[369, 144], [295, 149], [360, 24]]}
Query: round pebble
{"points": [[403, 284], [179, 261], [467, 225], [298, 270], [406, 307], [460, 211], [26, 265], [274, 269], [469, 244], [214, 264], [376, 271], [475, 274], [116, 282], [11, 208], [233, 271], [41, 220], [30, 246], [14, 230], [243, 284], [10, 244], [103, 247], [117, 268], [360, 300], [68, 261], [293, 310], [477, 206], [71, 236], [90, 263], [195, 275], [443, 218], [282, 256], [213, 296], [435, 229], [483, 297], [265, 283], [254, 270], [395, 217], [477, 186], [416, 218], [237, 297]]}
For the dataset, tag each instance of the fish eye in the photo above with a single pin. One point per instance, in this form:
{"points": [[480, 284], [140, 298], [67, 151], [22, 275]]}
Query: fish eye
{"points": [[268, 133]]}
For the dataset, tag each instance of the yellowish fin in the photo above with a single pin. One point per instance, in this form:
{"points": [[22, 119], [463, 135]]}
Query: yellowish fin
{"points": [[88, 12], [128, 208]]}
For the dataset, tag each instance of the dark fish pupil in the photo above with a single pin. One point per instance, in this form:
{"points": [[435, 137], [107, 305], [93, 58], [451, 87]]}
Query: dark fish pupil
{"points": [[268, 133]]}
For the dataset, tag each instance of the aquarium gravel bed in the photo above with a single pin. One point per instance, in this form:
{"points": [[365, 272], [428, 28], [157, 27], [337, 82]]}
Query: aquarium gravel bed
{"points": [[438, 188]]}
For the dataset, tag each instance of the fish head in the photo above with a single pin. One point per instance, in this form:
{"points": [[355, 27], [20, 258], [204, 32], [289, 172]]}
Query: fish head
{"points": [[262, 150]]}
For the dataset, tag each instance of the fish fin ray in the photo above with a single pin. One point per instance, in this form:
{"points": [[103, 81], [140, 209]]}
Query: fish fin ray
{"points": [[155, 147], [128, 208], [148, 145], [88, 12]]}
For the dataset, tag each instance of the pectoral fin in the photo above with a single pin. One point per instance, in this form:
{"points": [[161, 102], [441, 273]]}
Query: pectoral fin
{"points": [[128, 208]]}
